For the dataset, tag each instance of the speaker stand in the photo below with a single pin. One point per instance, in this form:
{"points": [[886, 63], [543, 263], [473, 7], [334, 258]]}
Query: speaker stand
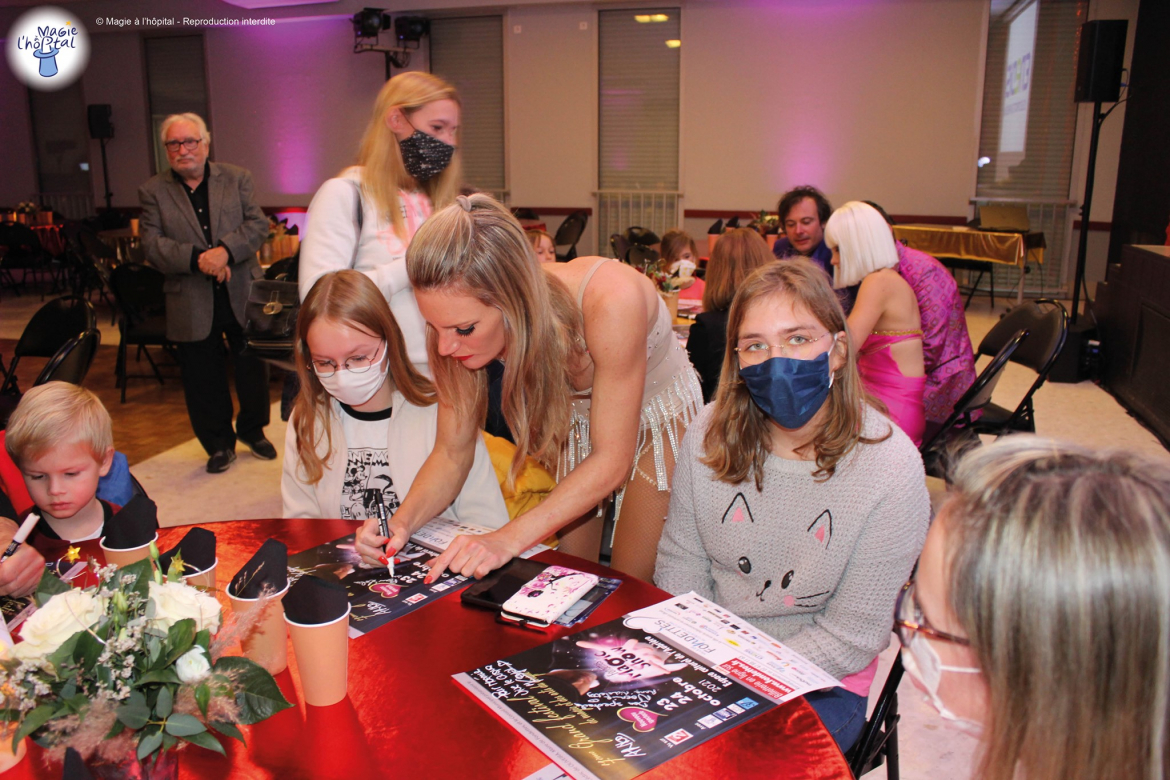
{"points": [[1086, 208], [106, 177]]}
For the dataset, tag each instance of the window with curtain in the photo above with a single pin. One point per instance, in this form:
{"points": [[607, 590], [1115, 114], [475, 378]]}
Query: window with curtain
{"points": [[1029, 122], [638, 119], [469, 53], [176, 84]]}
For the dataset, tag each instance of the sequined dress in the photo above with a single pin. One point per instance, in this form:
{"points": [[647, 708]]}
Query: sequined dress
{"points": [[671, 398]]}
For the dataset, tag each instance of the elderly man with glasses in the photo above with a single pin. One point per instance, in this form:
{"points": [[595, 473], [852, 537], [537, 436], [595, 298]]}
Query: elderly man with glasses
{"points": [[201, 227]]}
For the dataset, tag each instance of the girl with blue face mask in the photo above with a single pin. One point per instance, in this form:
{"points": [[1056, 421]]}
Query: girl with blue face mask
{"points": [[797, 504], [1039, 614]]}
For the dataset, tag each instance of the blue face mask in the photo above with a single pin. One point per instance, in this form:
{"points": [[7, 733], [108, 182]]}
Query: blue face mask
{"points": [[790, 391]]}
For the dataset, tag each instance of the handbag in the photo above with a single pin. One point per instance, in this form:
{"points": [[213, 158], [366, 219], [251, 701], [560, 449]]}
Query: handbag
{"points": [[270, 318], [270, 313]]}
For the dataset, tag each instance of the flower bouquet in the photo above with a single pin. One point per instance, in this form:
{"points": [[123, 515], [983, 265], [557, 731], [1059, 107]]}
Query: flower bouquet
{"points": [[130, 668], [668, 284]]}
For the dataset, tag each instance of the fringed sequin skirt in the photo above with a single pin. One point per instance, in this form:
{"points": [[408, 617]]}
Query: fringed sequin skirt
{"points": [[665, 417]]}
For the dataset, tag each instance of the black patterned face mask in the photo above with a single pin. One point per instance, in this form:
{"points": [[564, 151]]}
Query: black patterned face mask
{"points": [[425, 156]]}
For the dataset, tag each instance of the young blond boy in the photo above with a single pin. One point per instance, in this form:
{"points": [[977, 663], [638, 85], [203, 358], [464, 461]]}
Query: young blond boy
{"points": [[61, 439]]}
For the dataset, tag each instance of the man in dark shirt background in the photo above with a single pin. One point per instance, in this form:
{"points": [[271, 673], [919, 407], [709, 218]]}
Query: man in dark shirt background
{"points": [[201, 227]]}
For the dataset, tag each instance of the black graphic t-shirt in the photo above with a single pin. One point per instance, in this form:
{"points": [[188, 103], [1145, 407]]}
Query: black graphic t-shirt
{"points": [[367, 465]]}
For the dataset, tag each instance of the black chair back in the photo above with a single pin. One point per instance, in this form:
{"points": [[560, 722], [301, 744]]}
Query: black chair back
{"points": [[641, 257], [138, 291], [72, 361], [571, 230], [1047, 326], [620, 247], [53, 324], [878, 742], [978, 396]]}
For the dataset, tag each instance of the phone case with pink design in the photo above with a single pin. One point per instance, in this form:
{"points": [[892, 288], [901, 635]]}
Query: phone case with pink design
{"points": [[548, 595]]}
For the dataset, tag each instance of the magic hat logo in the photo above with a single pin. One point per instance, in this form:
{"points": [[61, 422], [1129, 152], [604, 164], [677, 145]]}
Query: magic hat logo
{"points": [[48, 48]]}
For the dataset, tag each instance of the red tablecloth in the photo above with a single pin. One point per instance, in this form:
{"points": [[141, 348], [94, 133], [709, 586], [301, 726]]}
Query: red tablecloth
{"points": [[51, 239], [405, 717]]}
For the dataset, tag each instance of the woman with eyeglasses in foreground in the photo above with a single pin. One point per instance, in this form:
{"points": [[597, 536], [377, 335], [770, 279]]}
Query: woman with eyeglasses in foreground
{"points": [[1040, 612], [365, 419], [796, 504]]}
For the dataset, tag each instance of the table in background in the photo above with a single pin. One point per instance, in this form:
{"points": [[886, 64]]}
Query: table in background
{"points": [[124, 241], [52, 241], [406, 717], [977, 246]]}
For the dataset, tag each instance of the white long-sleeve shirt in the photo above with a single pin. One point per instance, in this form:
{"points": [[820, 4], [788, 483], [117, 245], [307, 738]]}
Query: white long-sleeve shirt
{"points": [[331, 233]]}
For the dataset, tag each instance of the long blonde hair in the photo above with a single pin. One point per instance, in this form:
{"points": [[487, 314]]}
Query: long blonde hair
{"points": [[383, 173], [1060, 575], [350, 298], [736, 443], [737, 253], [476, 247]]}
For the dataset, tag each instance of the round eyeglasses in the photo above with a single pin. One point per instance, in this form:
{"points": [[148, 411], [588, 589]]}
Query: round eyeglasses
{"points": [[356, 364], [909, 619], [755, 351]]}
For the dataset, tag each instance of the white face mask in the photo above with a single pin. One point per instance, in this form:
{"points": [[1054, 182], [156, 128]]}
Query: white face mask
{"points": [[922, 663], [353, 388]]}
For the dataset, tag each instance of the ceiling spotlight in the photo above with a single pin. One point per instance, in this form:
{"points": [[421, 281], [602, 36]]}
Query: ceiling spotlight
{"points": [[411, 29], [368, 22]]}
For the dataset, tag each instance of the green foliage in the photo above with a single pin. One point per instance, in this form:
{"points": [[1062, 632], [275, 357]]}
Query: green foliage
{"points": [[257, 694], [48, 587]]}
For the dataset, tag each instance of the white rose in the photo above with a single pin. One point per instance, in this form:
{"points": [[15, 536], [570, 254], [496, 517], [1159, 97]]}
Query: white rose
{"points": [[175, 601], [63, 616], [192, 665]]}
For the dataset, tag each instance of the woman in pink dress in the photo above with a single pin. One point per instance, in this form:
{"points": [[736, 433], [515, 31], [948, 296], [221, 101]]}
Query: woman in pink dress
{"points": [[885, 319]]}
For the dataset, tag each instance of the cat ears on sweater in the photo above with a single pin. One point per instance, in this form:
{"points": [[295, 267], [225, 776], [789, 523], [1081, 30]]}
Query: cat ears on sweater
{"points": [[821, 529], [738, 511]]}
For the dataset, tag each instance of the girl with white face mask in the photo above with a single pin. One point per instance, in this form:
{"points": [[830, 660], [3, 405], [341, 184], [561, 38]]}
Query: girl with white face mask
{"points": [[1040, 611], [365, 419]]}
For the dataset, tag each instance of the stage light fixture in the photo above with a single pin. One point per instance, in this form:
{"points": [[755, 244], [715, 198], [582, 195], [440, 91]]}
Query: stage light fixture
{"points": [[411, 29], [368, 22]]}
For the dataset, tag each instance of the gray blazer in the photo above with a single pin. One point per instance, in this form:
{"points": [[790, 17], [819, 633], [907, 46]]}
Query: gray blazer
{"points": [[170, 231]]}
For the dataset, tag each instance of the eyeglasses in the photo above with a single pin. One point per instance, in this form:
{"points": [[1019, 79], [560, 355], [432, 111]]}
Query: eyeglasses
{"points": [[357, 364], [754, 351], [908, 619], [188, 144]]}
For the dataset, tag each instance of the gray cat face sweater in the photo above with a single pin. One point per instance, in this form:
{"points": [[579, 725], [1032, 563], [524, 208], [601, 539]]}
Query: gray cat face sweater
{"points": [[818, 565]]}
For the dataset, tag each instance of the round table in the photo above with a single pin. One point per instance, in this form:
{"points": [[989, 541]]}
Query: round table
{"points": [[406, 717]]}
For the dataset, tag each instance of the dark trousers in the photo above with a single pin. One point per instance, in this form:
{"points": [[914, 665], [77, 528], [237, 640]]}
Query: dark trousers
{"points": [[842, 712], [205, 383]]}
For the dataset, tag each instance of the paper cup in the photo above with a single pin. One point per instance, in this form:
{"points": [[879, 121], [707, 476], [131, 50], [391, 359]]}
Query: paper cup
{"points": [[323, 659], [203, 579], [8, 758], [267, 645], [122, 558]]}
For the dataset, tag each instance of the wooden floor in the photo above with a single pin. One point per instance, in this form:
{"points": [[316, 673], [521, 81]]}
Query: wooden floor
{"points": [[154, 417]]}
